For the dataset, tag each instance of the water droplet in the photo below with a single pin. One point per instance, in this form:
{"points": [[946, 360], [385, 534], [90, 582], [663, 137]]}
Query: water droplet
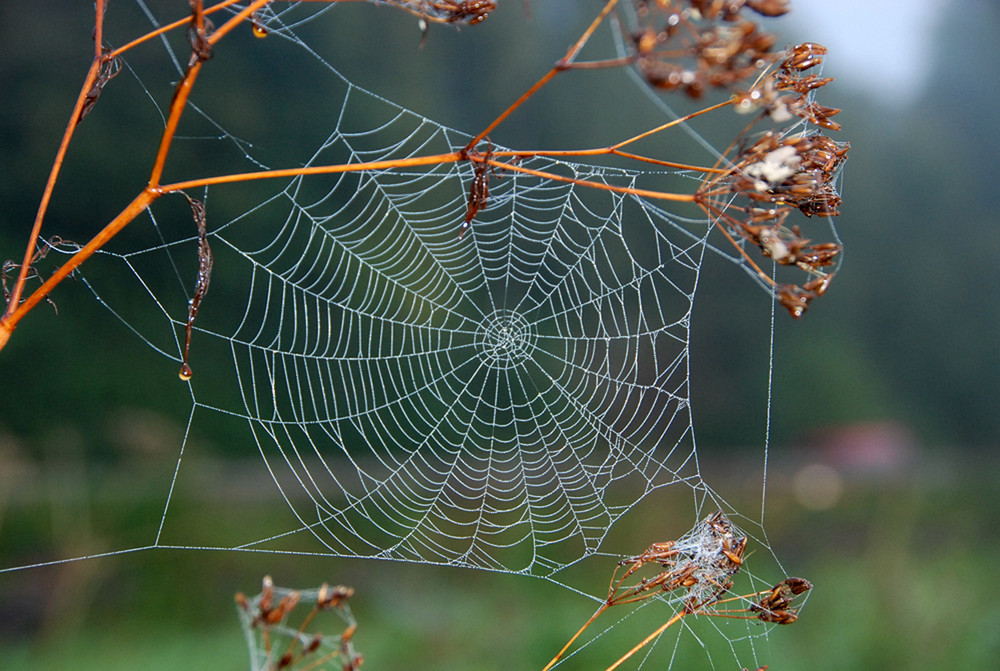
{"points": [[185, 372], [259, 30]]}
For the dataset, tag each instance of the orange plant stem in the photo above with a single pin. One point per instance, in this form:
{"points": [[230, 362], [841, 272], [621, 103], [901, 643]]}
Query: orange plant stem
{"points": [[183, 91], [432, 159], [605, 151], [168, 27], [181, 96], [675, 122], [675, 619], [644, 193], [100, 6], [586, 624], [746, 257], [563, 64], [36, 229]]}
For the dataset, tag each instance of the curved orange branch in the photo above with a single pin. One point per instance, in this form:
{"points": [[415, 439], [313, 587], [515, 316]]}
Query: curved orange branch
{"points": [[36, 228], [644, 193]]}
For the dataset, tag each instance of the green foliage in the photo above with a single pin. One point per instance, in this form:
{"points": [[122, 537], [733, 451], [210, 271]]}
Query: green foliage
{"points": [[899, 589]]}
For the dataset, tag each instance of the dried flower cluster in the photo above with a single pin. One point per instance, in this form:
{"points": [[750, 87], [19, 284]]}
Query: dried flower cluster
{"points": [[694, 45], [702, 562], [774, 606], [265, 620], [771, 178]]}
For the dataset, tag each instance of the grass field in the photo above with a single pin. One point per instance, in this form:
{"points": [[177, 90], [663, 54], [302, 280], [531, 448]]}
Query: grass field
{"points": [[901, 569]]}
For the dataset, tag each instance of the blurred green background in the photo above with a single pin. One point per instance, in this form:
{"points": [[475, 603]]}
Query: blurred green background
{"points": [[885, 392]]}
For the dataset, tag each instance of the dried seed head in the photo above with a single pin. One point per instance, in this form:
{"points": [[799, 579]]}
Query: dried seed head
{"points": [[285, 640], [694, 45], [266, 592], [701, 562], [769, 7], [796, 585], [333, 597], [468, 12], [804, 56], [774, 606], [712, 553], [794, 298]]}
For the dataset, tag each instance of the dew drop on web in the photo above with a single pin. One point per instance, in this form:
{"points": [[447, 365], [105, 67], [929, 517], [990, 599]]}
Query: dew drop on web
{"points": [[259, 30]]}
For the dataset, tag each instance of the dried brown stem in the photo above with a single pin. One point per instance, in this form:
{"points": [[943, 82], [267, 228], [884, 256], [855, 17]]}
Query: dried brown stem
{"points": [[724, 61], [563, 64], [575, 636]]}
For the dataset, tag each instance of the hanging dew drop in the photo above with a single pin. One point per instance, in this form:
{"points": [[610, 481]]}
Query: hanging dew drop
{"points": [[185, 372], [259, 31]]}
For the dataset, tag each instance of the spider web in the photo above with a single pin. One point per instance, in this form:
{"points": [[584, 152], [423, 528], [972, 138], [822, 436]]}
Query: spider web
{"points": [[496, 401]]}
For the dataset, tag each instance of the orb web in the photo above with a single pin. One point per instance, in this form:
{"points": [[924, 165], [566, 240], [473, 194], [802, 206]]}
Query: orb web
{"points": [[476, 401]]}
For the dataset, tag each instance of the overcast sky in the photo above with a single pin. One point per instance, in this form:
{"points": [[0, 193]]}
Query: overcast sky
{"points": [[883, 40]]}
